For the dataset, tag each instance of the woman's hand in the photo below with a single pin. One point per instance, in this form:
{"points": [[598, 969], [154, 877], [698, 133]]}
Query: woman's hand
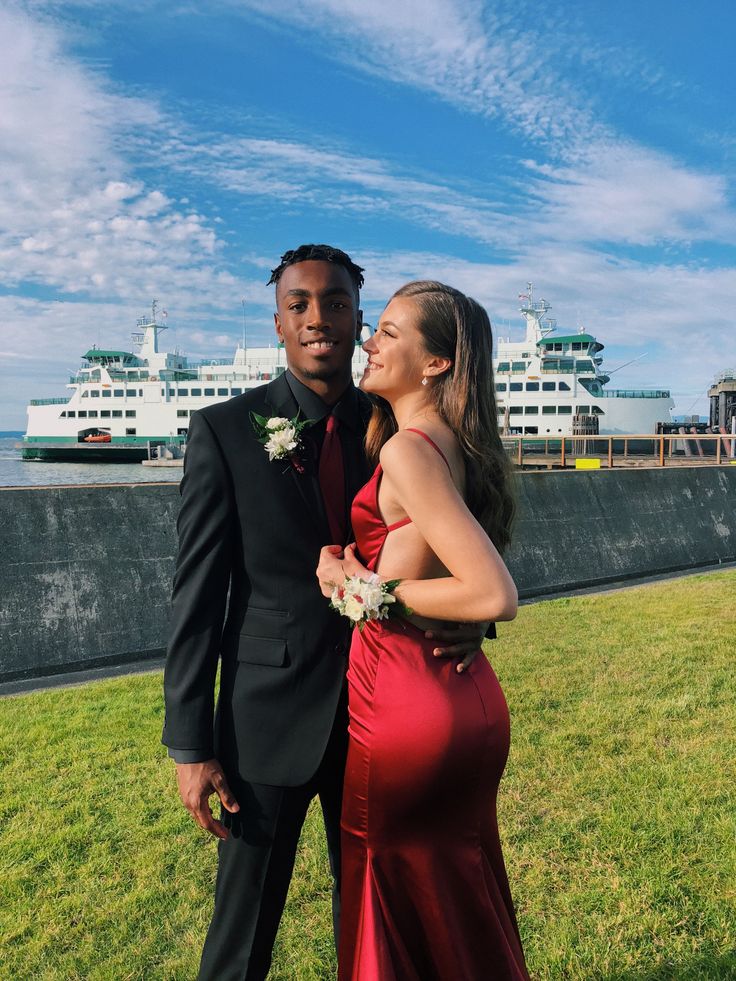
{"points": [[352, 565], [335, 565], [330, 570]]}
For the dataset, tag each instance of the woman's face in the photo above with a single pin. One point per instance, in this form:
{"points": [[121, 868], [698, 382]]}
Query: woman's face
{"points": [[396, 352]]}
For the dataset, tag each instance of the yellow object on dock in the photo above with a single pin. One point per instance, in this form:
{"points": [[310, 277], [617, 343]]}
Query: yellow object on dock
{"points": [[583, 463]]}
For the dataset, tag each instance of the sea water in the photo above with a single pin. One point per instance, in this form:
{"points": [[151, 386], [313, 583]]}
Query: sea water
{"points": [[16, 472]]}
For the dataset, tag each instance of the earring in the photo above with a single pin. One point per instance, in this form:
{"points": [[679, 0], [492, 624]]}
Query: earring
{"points": [[424, 380]]}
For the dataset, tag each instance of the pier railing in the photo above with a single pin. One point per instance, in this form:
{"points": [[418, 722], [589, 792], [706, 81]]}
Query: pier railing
{"points": [[630, 450]]}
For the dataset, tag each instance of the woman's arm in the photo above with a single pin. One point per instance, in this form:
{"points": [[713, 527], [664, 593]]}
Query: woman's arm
{"points": [[479, 586]]}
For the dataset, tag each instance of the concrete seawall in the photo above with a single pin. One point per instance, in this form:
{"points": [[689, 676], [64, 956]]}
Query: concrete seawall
{"points": [[85, 572]]}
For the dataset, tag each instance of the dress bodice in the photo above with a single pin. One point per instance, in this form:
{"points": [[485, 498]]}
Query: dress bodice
{"points": [[369, 527]]}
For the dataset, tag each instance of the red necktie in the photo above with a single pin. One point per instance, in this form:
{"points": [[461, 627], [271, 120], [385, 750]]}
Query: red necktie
{"points": [[332, 481]]}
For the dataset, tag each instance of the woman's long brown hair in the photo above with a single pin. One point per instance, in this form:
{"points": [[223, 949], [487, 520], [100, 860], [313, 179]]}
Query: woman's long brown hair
{"points": [[455, 326]]}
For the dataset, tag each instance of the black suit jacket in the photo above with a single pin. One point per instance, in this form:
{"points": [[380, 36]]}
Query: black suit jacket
{"points": [[245, 592]]}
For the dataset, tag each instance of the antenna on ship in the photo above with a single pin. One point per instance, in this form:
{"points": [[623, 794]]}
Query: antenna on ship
{"points": [[154, 304], [244, 336]]}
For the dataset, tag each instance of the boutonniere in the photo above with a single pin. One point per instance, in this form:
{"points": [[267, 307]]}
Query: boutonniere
{"points": [[281, 437]]}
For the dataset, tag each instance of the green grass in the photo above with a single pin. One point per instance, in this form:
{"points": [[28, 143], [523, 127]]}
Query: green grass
{"points": [[618, 808]]}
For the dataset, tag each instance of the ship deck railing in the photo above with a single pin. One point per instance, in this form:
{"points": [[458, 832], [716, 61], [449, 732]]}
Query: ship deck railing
{"points": [[633, 393], [57, 401], [628, 450]]}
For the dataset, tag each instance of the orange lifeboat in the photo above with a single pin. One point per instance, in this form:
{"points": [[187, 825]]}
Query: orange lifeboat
{"points": [[99, 438]]}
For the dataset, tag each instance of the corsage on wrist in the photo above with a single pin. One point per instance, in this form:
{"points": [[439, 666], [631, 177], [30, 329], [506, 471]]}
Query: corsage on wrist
{"points": [[361, 600]]}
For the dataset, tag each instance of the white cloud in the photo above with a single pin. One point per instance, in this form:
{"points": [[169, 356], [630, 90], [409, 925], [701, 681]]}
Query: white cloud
{"points": [[71, 215]]}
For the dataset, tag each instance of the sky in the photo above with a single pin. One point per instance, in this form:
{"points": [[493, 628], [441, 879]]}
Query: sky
{"points": [[175, 150]]}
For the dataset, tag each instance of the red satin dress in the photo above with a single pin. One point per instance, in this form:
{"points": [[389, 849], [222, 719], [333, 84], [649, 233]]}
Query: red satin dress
{"points": [[424, 890]]}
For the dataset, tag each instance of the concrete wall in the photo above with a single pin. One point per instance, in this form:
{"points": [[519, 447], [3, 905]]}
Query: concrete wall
{"points": [[584, 528], [85, 572]]}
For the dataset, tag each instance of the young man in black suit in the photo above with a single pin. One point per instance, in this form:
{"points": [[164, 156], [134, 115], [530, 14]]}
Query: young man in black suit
{"points": [[245, 593]]}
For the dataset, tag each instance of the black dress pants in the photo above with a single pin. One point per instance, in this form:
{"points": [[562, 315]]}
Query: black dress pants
{"points": [[256, 862]]}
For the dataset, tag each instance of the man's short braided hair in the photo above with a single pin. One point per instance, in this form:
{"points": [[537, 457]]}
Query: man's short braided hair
{"points": [[322, 253]]}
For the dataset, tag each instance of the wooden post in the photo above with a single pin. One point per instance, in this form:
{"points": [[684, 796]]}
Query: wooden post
{"points": [[610, 452], [718, 450], [626, 449], [661, 451], [563, 464], [520, 451]]}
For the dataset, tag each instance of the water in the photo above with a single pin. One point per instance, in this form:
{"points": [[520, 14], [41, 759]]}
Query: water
{"points": [[15, 472]]}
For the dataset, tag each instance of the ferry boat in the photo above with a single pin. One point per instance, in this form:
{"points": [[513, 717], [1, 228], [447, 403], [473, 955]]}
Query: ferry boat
{"points": [[552, 384], [125, 404]]}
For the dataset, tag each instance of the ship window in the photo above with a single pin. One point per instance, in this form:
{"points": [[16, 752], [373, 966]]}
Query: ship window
{"points": [[526, 354], [584, 366], [548, 386], [565, 410], [501, 387], [93, 413], [63, 415], [117, 413], [515, 410], [106, 393], [532, 386], [518, 365], [516, 387], [119, 393], [163, 391], [222, 391], [531, 410], [583, 410], [105, 414], [85, 394], [182, 413], [183, 391], [503, 366], [71, 414], [531, 430], [577, 346], [209, 391], [549, 410], [94, 393], [140, 393], [564, 387], [132, 393], [130, 413], [196, 391], [130, 432], [82, 413], [237, 391], [598, 411], [558, 347]]}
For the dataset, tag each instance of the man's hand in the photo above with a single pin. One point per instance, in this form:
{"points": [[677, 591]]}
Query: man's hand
{"points": [[465, 641], [197, 782]]}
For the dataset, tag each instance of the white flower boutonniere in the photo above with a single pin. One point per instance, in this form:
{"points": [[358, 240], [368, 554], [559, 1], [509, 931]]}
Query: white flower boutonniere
{"points": [[281, 437]]}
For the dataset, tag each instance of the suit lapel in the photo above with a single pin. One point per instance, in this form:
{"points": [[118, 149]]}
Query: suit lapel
{"points": [[281, 402]]}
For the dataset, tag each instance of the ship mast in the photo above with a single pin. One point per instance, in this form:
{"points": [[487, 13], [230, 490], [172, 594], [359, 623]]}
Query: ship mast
{"points": [[534, 311]]}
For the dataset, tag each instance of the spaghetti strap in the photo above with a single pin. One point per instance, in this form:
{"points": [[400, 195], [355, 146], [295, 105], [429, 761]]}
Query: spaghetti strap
{"points": [[431, 443]]}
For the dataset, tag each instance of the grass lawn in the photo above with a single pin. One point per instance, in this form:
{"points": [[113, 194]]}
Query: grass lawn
{"points": [[618, 809]]}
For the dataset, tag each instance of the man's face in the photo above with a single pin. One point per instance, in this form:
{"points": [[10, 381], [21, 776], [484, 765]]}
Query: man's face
{"points": [[317, 320]]}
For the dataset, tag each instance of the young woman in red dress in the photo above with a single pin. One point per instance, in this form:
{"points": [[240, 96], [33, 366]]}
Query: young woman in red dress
{"points": [[425, 895]]}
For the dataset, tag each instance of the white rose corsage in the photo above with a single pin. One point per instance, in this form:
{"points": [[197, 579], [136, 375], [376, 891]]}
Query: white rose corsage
{"points": [[281, 437], [361, 600]]}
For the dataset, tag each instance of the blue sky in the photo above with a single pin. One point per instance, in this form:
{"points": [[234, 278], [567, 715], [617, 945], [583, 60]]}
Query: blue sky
{"points": [[174, 150]]}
